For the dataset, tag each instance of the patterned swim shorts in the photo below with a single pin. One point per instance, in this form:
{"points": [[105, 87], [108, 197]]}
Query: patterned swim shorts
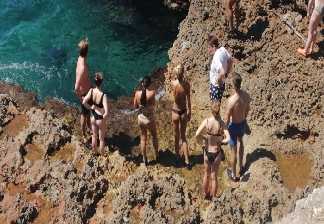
{"points": [[216, 92]]}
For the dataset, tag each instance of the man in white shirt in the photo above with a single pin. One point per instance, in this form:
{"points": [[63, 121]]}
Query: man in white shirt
{"points": [[220, 67]]}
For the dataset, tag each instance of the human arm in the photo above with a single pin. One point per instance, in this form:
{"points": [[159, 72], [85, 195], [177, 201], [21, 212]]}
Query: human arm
{"points": [[105, 105], [201, 128], [247, 106], [310, 7], [230, 65], [227, 137], [86, 99], [77, 83], [189, 102], [228, 112], [135, 103]]}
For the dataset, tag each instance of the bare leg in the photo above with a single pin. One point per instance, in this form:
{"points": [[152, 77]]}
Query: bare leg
{"points": [[176, 124], [229, 7], [312, 32], [94, 134], [214, 173], [154, 139], [143, 142], [102, 133], [234, 159], [83, 125], [240, 153], [206, 177], [184, 144]]}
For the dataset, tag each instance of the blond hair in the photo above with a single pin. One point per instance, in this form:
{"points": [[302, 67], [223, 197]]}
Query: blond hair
{"points": [[83, 47], [179, 71], [215, 108]]}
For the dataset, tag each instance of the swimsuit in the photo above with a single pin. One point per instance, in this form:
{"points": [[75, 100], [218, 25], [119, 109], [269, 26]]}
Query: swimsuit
{"points": [[182, 113], [319, 8], [212, 156], [216, 92], [236, 130], [145, 115], [100, 105]]}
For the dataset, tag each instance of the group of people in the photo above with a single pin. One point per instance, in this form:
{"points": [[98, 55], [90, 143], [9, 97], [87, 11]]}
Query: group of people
{"points": [[212, 133]]}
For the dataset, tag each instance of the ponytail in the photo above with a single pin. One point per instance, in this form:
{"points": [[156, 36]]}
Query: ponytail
{"points": [[146, 82]]}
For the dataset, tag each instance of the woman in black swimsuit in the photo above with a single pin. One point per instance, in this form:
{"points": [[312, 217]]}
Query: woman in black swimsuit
{"points": [[216, 135], [96, 102]]}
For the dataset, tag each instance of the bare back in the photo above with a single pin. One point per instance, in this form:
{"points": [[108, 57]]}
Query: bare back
{"points": [[150, 99], [82, 83], [238, 106], [215, 133], [180, 92]]}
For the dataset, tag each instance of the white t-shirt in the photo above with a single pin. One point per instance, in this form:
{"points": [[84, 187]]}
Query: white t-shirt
{"points": [[220, 60]]}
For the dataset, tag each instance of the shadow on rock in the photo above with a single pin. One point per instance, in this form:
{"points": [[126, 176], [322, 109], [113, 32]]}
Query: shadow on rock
{"points": [[257, 154], [168, 158], [124, 144]]}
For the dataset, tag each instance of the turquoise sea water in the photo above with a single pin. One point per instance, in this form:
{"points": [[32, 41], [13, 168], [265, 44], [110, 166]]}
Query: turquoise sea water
{"points": [[38, 42]]}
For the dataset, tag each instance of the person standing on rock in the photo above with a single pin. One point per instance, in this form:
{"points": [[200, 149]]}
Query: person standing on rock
{"points": [[83, 84], [315, 11], [229, 11], [216, 135], [238, 107], [221, 65], [96, 101], [181, 113], [144, 100]]}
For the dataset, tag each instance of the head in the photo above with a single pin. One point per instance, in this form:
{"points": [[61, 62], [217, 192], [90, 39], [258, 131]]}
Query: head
{"points": [[145, 83], [213, 43], [236, 81], [179, 72], [215, 108], [98, 79], [83, 47]]}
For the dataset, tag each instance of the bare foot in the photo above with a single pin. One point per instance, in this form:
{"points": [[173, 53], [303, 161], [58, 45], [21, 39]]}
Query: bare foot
{"points": [[302, 52]]}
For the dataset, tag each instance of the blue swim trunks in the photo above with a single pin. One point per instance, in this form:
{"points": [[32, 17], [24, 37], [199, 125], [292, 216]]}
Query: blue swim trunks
{"points": [[216, 92], [236, 130]]}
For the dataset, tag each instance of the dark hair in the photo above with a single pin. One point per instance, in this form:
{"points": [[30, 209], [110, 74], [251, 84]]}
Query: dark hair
{"points": [[146, 82], [98, 79], [237, 80], [213, 40], [83, 46]]}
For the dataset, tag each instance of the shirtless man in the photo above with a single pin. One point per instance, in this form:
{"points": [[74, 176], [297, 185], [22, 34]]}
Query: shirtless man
{"points": [[238, 107], [83, 84], [315, 11], [229, 11], [181, 113]]}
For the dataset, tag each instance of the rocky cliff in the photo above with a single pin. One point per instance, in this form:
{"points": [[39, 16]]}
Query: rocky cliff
{"points": [[48, 176]]}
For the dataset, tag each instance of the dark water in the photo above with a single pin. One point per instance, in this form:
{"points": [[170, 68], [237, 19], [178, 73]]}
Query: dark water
{"points": [[38, 42]]}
